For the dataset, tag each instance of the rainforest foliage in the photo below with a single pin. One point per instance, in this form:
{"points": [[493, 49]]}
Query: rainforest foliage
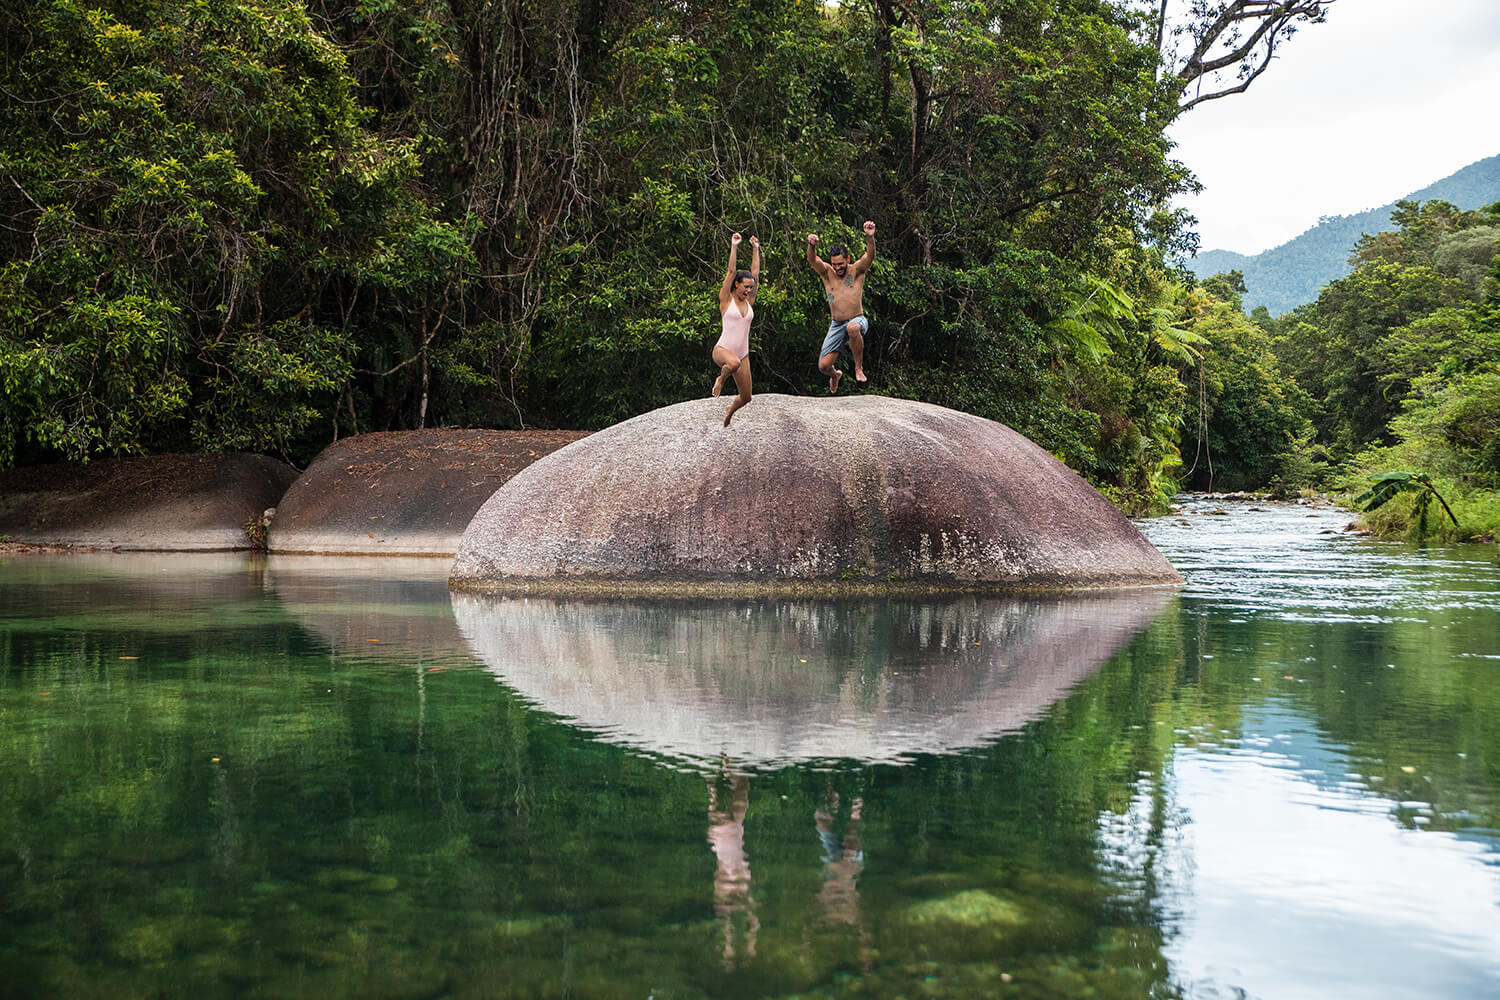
{"points": [[1394, 373], [1404, 357], [263, 224]]}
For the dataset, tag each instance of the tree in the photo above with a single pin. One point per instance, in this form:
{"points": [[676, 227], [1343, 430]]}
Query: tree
{"points": [[1419, 226], [1219, 47], [1246, 417], [1334, 352], [1402, 350], [204, 240], [1466, 255], [1392, 484], [1228, 287], [508, 212]]}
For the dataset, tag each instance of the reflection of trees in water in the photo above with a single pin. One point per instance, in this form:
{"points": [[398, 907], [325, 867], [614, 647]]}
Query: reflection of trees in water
{"points": [[447, 783]]}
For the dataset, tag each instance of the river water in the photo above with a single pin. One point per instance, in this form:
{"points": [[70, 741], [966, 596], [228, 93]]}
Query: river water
{"points": [[226, 776]]}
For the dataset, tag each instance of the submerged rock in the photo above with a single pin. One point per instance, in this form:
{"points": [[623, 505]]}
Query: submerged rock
{"points": [[979, 924], [857, 493], [973, 908]]}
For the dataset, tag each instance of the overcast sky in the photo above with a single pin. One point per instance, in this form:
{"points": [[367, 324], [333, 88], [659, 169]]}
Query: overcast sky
{"points": [[1383, 98]]}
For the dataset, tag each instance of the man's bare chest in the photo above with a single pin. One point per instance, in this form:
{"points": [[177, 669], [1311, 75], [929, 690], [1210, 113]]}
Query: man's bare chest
{"points": [[839, 288]]}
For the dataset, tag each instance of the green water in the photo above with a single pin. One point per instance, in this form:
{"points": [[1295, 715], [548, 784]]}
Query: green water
{"points": [[222, 776]]}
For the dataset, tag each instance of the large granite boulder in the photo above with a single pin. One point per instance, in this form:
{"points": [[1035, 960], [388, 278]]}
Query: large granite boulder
{"points": [[802, 494], [402, 492], [162, 503]]}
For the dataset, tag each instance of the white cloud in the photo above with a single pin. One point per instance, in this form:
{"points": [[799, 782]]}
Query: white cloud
{"points": [[1382, 99]]}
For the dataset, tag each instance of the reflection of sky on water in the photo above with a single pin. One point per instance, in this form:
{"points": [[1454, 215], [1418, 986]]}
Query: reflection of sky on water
{"points": [[1277, 869], [1278, 874], [1295, 562], [1285, 734]]}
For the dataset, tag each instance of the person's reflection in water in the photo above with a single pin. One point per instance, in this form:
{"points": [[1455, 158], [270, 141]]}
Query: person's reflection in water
{"points": [[843, 861], [726, 835]]}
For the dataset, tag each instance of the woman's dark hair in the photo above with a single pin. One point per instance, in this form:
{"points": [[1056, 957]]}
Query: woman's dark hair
{"points": [[740, 276]]}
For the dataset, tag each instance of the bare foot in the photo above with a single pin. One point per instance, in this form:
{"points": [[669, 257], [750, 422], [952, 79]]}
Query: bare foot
{"points": [[859, 375], [718, 385], [833, 381], [728, 412]]}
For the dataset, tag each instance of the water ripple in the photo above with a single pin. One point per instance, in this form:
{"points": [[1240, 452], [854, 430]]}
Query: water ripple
{"points": [[1296, 561]]}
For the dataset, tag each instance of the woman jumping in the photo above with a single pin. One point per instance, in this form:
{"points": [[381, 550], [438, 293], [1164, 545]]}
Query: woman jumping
{"points": [[737, 309]]}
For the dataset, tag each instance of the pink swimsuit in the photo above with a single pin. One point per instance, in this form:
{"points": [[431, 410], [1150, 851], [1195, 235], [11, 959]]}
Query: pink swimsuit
{"points": [[736, 336]]}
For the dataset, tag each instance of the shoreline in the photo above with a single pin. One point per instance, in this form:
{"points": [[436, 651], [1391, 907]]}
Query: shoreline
{"points": [[43, 548]]}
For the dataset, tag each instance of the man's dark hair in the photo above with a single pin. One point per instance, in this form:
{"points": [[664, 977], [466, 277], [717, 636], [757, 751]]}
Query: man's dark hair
{"points": [[838, 250]]}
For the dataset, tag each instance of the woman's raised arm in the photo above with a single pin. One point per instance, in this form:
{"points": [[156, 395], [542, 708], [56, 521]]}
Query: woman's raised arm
{"points": [[734, 249], [754, 265]]}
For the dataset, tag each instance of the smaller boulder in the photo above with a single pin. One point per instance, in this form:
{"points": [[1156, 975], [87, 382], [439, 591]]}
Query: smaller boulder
{"points": [[154, 503], [409, 493]]}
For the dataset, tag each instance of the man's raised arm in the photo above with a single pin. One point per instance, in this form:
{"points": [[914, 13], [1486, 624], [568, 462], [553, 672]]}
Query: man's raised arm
{"points": [[814, 261], [863, 264]]}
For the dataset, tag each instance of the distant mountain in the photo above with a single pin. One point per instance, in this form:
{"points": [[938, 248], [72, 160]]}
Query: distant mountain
{"points": [[1287, 276]]}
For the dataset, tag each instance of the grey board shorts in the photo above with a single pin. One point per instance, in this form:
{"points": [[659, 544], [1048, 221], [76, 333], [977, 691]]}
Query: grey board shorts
{"points": [[838, 334]]}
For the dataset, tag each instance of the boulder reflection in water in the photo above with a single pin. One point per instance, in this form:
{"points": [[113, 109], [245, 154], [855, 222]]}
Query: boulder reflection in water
{"points": [[767, 683]]}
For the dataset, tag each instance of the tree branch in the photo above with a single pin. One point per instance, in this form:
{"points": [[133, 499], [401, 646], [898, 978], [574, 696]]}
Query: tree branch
{"points": [[1242, 87], [1270, 21]]}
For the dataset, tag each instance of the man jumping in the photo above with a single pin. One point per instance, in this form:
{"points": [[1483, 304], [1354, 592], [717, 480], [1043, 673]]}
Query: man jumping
{"points": [[844, 283]]}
